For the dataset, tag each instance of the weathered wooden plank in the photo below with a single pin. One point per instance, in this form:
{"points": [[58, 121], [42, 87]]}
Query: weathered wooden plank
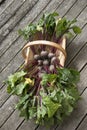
{"points": [[7, 109], [72, 122], [83, 79], [9, 11], [5, 4], [27, 19], [83, 125], [46, 128], [26, 7], [53, 5], [76, 45], [4, 60], [65, 6], [80, 60], [12, 122], [1, 1], [82, 19], [27, 125], [76, 9], [12, 67], [3, 95]]}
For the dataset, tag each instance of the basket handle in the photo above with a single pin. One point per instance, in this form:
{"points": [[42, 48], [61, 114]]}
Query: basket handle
{"points": [[41, 42]]}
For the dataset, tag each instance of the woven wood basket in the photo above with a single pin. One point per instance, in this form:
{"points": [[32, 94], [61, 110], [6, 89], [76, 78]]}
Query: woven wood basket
{"points": [[28, 54]]}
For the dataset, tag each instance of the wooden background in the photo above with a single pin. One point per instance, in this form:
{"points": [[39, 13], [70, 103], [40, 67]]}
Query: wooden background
{"points": [[15, 14]]}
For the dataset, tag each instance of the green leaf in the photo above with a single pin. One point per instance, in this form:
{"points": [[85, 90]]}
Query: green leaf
{"points": [[61, 27], [22, 101], [19, 88], [32, 112], [48, 78], [28, 31], [41, 112], [13, 80], [24, 111], [76, 30], [49, 23], [73, 91], [75, 75], [68, 76], [9, 89], [54, 14], [51, 106], [15, 77]]}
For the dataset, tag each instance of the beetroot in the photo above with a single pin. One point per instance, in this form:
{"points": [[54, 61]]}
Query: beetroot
{"points": [[40, 62], [51, 67], [36, 57], [50, 55], [53, 60], [45, 62], [44, 54]]}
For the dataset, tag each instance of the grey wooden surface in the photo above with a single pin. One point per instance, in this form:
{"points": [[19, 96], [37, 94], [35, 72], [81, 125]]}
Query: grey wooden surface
{"points": [[15, 14]]}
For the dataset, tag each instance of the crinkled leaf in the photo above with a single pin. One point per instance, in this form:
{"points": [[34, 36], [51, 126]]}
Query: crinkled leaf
{"points": [[19, 88], [22, 101], [73, 91], [61, 27], [48, 78], [68, 76], [24, 111], [76, 29], [41, 112], [12, 79], [9, 89], [32, 112], [52, 107], [28, 31]]}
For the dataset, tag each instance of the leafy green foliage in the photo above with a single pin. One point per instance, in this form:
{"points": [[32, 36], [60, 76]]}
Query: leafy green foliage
{"points": [[53, 103], [61, 27], [76, 29], [48, 78], [13, 80], [50, 28], [30, 30], [52, 107], [67, 76]]}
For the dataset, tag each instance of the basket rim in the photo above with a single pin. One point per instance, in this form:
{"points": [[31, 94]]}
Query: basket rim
{"points": [[43, 42]]}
